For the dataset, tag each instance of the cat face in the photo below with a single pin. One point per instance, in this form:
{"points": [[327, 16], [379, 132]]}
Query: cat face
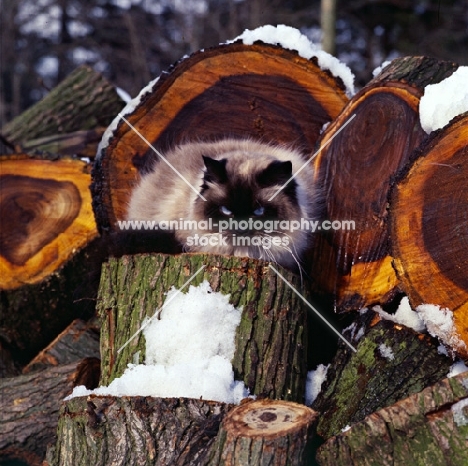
{"points": [[230, 194]]}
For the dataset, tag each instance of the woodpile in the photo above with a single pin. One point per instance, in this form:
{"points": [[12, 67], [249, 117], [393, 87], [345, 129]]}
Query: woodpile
{"points": [[405, 191]]}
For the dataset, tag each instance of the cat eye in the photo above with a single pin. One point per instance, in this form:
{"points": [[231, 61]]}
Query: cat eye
{"points": [[225, 211], [259, 211]]}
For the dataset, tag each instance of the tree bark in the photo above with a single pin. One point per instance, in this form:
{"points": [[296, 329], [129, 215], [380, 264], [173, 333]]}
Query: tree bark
{"points": [[271, 341], [429, 427], [428, 224], [103, 430], [79, 340], [83, 101], [356, 170], [30, 405], [360, 383], [227, 91], [264, 432]]}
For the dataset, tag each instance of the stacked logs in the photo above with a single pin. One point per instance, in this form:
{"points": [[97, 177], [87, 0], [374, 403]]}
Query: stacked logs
{"points": [[405, 192]]}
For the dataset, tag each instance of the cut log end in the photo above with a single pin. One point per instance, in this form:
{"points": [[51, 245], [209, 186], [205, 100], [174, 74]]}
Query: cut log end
{"points": [[268, 419], [264, 432], [47, 208]]}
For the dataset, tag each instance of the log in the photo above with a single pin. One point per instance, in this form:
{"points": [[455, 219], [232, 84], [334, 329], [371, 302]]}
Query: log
{"points": [[428, 224], [227, 91], [391, 363], [103, 430], [356, 170], [429, 427], [271, 341], [84, 101], [30, 405], [78, 341], [45, 249], [264, 432]]}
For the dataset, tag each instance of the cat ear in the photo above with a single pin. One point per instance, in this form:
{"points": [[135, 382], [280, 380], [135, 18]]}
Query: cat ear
{"points": [[276, 173], [215, 169]]}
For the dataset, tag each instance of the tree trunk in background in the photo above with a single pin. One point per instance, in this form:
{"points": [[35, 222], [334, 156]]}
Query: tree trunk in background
{"points": [[328, 25]]}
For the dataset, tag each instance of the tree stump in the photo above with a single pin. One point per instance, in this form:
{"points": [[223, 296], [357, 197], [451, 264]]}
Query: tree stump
{"points": [[428, 428], [233, 90], [264, 432], [46, 241], [271, 341], [391, 363], [429, 226], [356, 170]]}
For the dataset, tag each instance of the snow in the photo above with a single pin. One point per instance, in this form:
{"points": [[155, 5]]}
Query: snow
{"points": [[292, 39], [346, 428], [386, 352], [129, 108], [188, 351], [123, 94], [439, 323], [443, 101], [314, 383], [460, 412], [378, 70], [403, 316], [354, 333], [457, 368]]}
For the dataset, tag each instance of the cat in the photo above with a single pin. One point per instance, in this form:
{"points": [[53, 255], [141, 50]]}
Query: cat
{"points": [[224, 197]]}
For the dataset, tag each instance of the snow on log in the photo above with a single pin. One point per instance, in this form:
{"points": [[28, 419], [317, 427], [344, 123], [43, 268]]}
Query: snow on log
{"points": [[264, 432], [260, 91], [356, 169], [429, 228], [429, 427]]}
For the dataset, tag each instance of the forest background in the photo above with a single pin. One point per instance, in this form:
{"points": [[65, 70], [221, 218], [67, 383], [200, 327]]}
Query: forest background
{"points": [[133, 41]]}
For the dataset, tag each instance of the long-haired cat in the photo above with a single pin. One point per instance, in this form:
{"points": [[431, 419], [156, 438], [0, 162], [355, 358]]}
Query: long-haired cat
{"points": [[234, 185]]}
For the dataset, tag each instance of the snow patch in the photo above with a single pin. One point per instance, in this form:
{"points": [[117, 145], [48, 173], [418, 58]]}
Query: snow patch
{"points": [[379, 69], [403, 316], [188, 351], [460, 413], [443, 101], [292, 39], [457, 368], [439, 323], [314, 383], [386, 352]]}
